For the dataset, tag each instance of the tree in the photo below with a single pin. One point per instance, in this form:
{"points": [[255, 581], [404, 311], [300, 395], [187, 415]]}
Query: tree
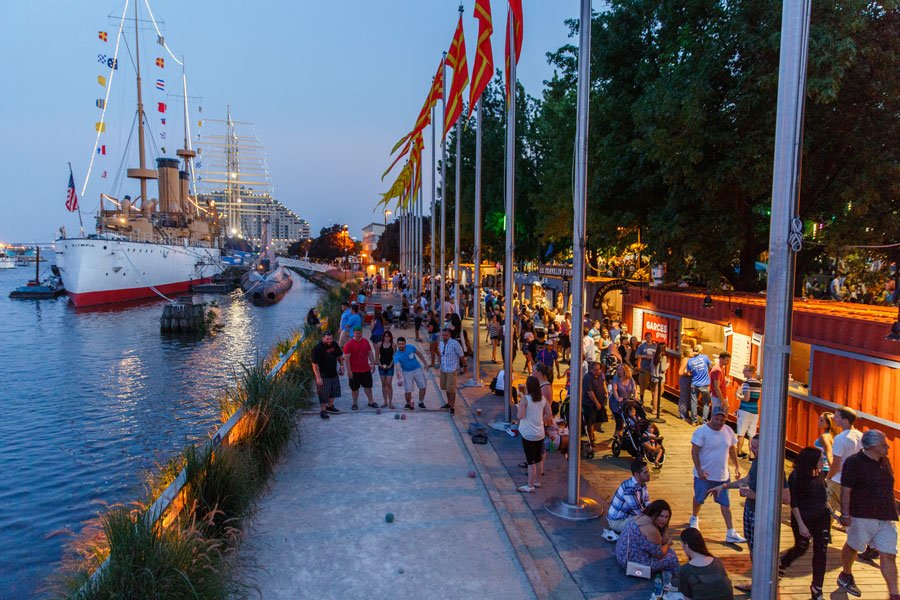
{"points": [[333, 242], [299, 248], [388, 247]]}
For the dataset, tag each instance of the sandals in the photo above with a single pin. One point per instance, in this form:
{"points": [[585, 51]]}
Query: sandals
{"points": [[372, 405], [384, 405]]}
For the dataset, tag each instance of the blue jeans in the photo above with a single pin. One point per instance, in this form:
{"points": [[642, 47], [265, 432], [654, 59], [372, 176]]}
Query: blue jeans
{"points": [[702, 394]]}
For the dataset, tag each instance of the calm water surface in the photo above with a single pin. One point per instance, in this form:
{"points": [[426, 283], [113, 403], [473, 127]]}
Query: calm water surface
{"points": [[93, 399]]}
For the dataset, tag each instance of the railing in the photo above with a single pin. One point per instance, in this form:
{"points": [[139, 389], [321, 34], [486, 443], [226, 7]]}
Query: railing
{"points": [[148, 238], [305, 264], [167, 498]]}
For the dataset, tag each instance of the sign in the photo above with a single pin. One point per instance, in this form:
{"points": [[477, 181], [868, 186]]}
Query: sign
{"points": [[609, 286], [740, 355], [656, 325], [757, 339], [637, 321], [555, 271]]}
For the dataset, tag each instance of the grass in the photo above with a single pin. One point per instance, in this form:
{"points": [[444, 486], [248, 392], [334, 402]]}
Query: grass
{"points": [[188, 555]]}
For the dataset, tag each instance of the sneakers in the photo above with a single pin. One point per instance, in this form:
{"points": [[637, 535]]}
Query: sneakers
{"points": [[421, 405], [848, 584], [452, 411], [732, 537], [815, 593], [609, 535], [869, 555], [525, 489], [742, 455], [333, 409], [694, 522], [324, 414], [445, 406]]}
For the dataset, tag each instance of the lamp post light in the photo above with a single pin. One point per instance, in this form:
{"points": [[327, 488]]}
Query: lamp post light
{"points": [[387, 213]]}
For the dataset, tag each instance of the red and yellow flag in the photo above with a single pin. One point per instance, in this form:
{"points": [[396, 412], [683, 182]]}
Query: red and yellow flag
{"points": [[514, 13], [102, 35], [434, 94], [456, 58], [484, 58]]}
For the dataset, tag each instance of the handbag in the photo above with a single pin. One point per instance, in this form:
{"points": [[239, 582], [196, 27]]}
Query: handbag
{"points": [[633, 568]]}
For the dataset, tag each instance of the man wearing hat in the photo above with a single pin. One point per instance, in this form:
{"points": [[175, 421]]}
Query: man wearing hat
{"points": [[712, 444]]}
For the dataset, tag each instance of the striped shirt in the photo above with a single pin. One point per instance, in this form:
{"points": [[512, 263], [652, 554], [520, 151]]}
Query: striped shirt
{"points": [[629, 500], [451, 352], [750, 393]]}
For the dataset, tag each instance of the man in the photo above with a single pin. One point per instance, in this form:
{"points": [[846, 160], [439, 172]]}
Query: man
{"points": [[645, 352], [588, 348], [594, 397], [629, 501], [362, 364], [718, 385], [549, 357], [847, 443], [344, 333], [698, 368], [712, 445], [565, 331], [748, 411], [452, 358], [868, 511], [411, 371], [327, 366], [614, 331]]}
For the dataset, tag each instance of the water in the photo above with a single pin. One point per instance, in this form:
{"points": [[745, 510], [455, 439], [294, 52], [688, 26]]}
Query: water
{"points": [[92, 399]]}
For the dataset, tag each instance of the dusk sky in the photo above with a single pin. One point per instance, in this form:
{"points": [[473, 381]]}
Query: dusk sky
{"points": [[329, 85]]}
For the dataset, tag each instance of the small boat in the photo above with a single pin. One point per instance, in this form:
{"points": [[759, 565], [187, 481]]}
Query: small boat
{"points": [[7, 262], [35, 289], [267, 282]]}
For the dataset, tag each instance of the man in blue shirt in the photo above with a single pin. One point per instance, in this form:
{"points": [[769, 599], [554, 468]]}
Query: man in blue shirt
{"points": [[645, 353], [354, 320], [698, 368], [410, 371], [344, 336]]}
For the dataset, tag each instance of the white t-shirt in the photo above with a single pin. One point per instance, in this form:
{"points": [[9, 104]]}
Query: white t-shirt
{"points": [[714, 447], [532, 426], [588, 348], [846, 444]]}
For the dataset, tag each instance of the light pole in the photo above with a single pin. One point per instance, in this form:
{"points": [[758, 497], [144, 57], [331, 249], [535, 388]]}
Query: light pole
{"points": [[387, 213]]}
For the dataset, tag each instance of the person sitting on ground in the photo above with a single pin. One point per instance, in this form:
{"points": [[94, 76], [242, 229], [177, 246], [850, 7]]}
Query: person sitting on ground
{"points": [[646, 540], [703, 576], [650, 439], [629, 500]]}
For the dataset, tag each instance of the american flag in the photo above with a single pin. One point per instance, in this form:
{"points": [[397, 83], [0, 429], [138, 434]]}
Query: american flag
{"points": [[71, 196]]}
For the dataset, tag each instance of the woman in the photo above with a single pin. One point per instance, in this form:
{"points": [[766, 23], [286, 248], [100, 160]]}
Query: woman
{"points": [[386, 349], [565, 341], [703, 576], [527, 342], [605, 344], [533, 412], [623, 390], [810, 519], [658, 367], [684, 389], [377, 327], [632, 359], [434, 337], [312, 318], [825, 441], [495, 334], [542, 371], [646, 541], [417, 320]]}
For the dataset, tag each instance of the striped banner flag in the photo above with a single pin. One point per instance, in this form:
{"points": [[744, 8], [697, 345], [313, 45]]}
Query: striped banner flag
{"points": [[71, 196], [161, 85]]}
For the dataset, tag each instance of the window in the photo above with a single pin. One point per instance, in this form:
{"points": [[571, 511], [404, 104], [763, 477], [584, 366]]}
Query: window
{"points": [[709, 335]]}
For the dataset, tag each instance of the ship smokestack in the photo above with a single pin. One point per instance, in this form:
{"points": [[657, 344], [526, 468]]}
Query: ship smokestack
{"points": [[169, 186], [184, 192]]}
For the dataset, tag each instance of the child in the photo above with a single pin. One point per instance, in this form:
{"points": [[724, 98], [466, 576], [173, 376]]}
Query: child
{"points": [[652, 447]]}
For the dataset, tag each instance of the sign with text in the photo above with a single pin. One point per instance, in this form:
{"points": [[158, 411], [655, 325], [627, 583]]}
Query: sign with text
{"points": [[555, 271], [656, 325], [740, 355]]}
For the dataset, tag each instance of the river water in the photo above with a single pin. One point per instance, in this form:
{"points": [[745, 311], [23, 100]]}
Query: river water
{"points": [[93, 399]]}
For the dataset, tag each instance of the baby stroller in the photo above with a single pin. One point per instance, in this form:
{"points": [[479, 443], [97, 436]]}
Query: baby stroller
{"points": [[635, 433], [587, 448]]}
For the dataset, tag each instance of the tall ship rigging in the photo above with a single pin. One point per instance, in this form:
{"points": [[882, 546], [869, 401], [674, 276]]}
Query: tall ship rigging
{"points": [[147, 246]]}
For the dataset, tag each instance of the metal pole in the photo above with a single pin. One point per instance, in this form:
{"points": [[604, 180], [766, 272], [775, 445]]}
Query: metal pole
{"points": [[456, 280], [433, 197], [443, 194], [400, 230], [476, 284], [785, 238], [574, 507]]}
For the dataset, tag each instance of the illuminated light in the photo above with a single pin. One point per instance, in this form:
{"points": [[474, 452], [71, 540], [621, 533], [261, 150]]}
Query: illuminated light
{"points": [[707, 301]]}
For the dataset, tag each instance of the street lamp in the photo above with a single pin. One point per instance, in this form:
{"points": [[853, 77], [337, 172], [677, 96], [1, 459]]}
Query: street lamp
{"points": [[387, 213]]}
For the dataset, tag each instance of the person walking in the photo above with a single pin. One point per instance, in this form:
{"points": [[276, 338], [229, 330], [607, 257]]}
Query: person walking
{"points": [[712, 444], [386, 349], [748, 410], [644, 358], [549, 357], [623, 390], [344, 332], [533, 413], [594, 397], [703, 577], [452, 358], [659, 364], [869, 512], [825, 441], [495, 334], [411, 371], [810, 520], [847, 443], [565, 333], [698, 367], [362, 365], [629, 500], [433, 328], [718, 382], [327, 366]]}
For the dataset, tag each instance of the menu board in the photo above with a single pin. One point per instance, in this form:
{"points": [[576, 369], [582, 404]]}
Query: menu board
{"points": [[740, 355], [637, 322]]}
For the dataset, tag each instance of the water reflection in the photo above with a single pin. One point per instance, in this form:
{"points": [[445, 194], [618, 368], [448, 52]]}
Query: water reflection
{"points": [[92, 398]]}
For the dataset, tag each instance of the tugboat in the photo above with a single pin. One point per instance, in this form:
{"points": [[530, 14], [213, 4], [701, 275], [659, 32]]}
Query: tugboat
{"points": [[267, 282], [37, 289]]}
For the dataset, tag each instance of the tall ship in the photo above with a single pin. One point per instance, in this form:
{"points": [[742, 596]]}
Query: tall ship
{"points": [[144, 247]]}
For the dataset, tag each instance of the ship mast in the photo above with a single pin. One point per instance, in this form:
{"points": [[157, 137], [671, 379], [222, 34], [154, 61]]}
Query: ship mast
{"points": [[142, 173], [186, 153]]}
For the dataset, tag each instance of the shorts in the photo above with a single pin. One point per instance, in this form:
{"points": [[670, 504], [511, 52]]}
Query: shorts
{"points": [[389, 372], [417, 322], [589, 413], [833, 493], [329, 390], [643, 379], [417, 376], [448, 381], [564, 341], [716, 401], [746, 423], [435, 338], [701, 491], [363, 379], [881, 535], [618, 525], [534, 451]]}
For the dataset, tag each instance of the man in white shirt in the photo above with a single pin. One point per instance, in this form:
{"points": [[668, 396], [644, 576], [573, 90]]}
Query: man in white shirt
{"points": [[588, 347], [712, 445], [846, 444]]}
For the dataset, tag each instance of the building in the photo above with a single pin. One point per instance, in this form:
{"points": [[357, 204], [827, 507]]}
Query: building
{"points": [[371, 234]]}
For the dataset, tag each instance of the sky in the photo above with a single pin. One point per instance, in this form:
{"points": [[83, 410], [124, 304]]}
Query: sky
{"points": [[330, 86]]}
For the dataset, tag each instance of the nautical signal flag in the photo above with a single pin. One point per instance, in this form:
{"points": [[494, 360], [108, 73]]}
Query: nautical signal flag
{"points": [[161, 107], [456, 59], [71, 196], [103, 175], [161, 63], [200, 123], [162, 135], [483, 68], [101, 150], [102, 35], [101, 80], [514, 13], [163, 120], [160, 40], [100, 126], [101, 103], [161, 85]]}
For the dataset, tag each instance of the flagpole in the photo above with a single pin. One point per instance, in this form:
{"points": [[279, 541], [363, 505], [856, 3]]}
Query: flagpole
{"points": [[420, 250], [574, 507], [476, 289], [457, 183], [433, 197], [80, 222], [443, 192]]}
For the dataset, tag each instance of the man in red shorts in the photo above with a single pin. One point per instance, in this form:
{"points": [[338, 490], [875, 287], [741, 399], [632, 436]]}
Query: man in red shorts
{"points": [[362, 364]]}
